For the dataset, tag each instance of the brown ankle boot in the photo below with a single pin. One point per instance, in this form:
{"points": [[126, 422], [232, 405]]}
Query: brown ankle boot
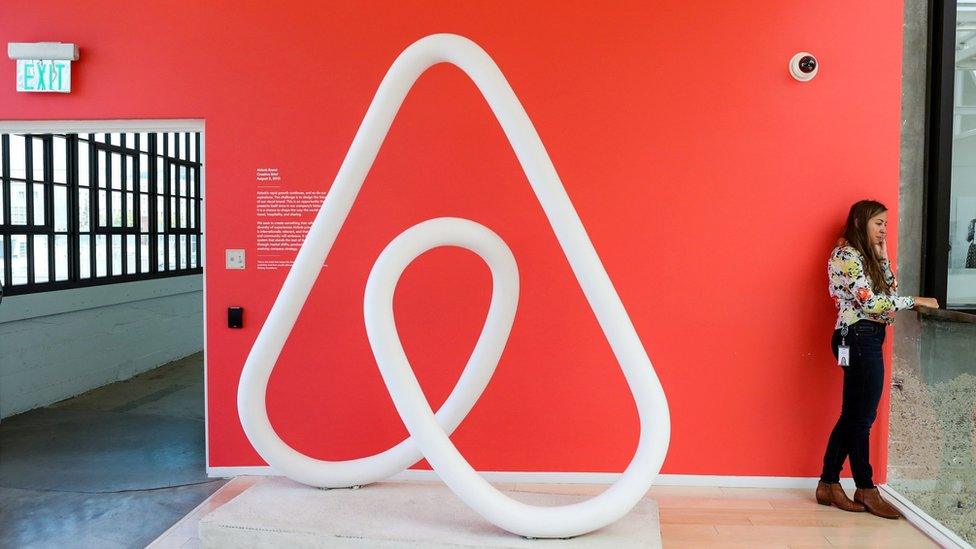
{"points": [[833, 494], [871, 498]]}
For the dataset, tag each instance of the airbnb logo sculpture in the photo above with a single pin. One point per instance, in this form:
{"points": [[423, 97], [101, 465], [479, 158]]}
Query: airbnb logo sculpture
{"points": [[429, 432]]}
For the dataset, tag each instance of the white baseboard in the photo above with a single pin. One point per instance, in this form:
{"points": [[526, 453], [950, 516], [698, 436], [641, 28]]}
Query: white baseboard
{"points": [[231, 472], [923, 521], [541, 477]]}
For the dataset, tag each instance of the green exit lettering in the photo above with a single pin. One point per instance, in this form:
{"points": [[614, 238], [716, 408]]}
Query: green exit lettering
{"points": [[43, 75]]}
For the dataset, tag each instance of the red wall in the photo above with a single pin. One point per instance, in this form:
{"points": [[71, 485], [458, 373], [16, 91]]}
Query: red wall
{"points": [[711, 184]]}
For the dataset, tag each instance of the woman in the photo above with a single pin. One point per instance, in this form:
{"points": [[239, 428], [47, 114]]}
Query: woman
{"points": [[865, 292], [971, 254]]}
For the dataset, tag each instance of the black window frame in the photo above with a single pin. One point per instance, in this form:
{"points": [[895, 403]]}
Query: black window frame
{"points": [[125, 229], [29, 229], [938, 151]]}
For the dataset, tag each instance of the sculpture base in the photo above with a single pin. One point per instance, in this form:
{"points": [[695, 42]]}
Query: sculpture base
{"points": [[277, 512]]}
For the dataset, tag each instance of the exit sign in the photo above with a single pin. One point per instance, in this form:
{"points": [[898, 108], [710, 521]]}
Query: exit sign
{"points": [[43, 75]]}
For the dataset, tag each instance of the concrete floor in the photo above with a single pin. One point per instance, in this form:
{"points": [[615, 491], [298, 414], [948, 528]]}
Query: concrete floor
{"points": [[114, 467]]}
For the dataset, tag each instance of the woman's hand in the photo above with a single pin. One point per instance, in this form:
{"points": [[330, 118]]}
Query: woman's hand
{"points": [[929, 302], [881, 250]]}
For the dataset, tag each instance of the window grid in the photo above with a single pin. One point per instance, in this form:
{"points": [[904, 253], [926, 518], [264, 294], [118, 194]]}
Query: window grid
{"points": [[82, 210]]}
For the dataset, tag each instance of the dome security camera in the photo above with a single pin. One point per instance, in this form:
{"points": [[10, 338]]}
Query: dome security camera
{"points": [[804, 66]]}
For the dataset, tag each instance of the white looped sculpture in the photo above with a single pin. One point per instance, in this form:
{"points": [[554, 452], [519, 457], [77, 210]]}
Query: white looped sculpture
{"points": [[429, 432]]}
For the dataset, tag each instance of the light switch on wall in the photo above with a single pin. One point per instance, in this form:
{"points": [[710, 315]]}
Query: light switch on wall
{"points": [[235, 259]]}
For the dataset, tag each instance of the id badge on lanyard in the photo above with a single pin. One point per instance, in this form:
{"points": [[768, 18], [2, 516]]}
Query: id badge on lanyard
{"points": [[843, 350]]}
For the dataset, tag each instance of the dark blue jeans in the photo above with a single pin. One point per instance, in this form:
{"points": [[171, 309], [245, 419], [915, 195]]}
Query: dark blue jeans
{"points": [[863, 384]]}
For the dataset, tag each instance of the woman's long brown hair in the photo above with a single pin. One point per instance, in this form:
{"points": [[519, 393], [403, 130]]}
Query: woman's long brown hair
{"points": [[856, 234]]}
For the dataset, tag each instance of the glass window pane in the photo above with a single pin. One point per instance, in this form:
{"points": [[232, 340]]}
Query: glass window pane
{"points": [[160, 174], [171, 150], [130, 203], [193, 214], [84, 210], [84, 256], [172, 252], [144, 142], [961, 276], [161, 253], [144, 213], [101, 137], [101, 256], [102, 213], [116, 138], [102, 169], [18, 157], [39, 203], [116, 209], [116, 254], [83, 163], [116, 171], [130, 254], [144, 173], [60, 160], [182, 251], [183, 181], [160, 214], [18, 259], [37, 156], [173, 210], [182, 202], [60, 208], [130, 173], [193, 146], [144, 253], [40, 259], [61, 257], [18, 203], [172, 180], [194, 262]]}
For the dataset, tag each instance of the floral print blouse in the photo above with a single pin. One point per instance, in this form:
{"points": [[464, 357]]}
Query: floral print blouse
{"points": [[852, 293]]}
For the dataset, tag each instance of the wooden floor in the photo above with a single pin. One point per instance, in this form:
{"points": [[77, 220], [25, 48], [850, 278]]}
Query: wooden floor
{"points": [[690, 517]]}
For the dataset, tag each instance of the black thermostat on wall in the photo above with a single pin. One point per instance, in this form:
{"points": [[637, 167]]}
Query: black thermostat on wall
{"points": [[235, 317]]}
